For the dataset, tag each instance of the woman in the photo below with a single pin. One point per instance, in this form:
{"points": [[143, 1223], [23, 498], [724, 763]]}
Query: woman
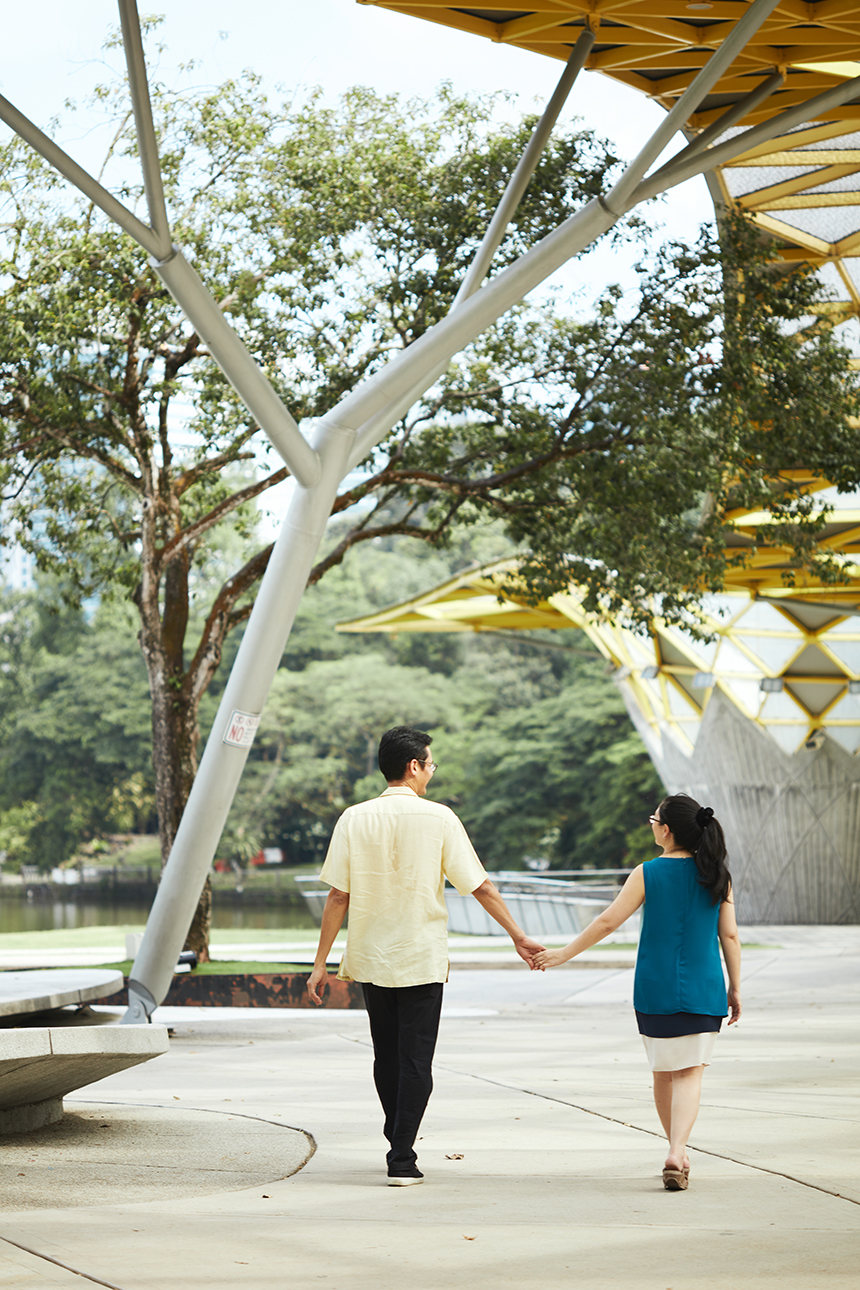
{"points": [[679, 992]]}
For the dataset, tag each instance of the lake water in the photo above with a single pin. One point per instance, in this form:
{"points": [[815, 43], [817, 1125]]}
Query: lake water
{"points": [[17, 915]]}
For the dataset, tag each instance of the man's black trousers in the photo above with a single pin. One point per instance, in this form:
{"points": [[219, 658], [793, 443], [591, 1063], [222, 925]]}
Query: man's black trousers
{"points": [[404, 1023]]}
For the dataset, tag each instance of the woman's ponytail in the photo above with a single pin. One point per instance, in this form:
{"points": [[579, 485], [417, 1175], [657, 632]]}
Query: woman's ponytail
{"points": [[695, 829]]}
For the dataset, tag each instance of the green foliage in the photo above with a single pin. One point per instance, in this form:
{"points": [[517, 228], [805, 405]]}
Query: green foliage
{"points": [[535, 750], [612, 446], [75, 734], [330, 236], [563, 777], [316, 746]]}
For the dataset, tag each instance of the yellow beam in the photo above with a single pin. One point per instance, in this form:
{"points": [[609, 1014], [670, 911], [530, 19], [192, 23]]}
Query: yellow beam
{"points": [[759, 198], [814, 201], [810, 157], [779, 229]]}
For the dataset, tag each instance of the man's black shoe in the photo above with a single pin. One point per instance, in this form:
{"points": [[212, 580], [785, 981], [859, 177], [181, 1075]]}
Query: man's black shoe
{"points": [[405, 1178]]}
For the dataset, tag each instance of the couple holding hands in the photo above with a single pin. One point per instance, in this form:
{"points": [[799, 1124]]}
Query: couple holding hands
{"points": [[387, 864]]}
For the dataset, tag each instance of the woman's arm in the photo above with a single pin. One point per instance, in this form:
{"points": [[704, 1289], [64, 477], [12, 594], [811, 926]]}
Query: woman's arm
{"points": [[727, 930], [628, 900]]}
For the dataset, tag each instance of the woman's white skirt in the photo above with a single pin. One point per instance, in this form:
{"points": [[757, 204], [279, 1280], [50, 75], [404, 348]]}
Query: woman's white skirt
{"points": [[679, 1052]]}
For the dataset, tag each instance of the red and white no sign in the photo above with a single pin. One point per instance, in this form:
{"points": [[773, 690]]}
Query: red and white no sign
{"points": [[241, 729]]}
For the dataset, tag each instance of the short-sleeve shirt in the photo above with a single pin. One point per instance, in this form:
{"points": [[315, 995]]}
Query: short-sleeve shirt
{"points": [[392, 855]]}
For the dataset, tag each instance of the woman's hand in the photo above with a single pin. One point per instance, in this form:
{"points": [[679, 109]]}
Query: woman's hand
{"points": [[734, 1002], [550, 958]]}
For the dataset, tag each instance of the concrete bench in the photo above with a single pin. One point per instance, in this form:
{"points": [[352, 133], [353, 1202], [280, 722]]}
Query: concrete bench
{"points": [[43, 989], [39, 1065]]}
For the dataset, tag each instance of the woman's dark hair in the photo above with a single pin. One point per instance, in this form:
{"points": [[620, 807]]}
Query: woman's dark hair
{"points": [[694, 828], [398, 747]]}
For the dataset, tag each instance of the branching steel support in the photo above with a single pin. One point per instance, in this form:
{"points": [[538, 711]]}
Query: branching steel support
{"points": [[617, 199], [699, 142], [520, 179], [616, 203], [147, 145], [676, 172], [222, 763], [376, 427], [353, 428]]}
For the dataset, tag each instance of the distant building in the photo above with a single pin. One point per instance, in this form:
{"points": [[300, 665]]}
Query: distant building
{"points": [[17, 566]]}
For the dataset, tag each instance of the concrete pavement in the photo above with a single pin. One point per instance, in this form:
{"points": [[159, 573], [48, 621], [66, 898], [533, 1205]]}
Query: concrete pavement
{"points": [[540, 1148]]}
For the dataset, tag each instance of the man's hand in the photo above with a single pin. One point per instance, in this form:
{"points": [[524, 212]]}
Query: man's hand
{"points": [[336, 905], [316, 979], [527, 948]]}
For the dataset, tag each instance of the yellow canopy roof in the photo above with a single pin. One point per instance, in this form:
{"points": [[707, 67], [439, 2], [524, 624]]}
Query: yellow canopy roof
{"points": [[803, 187], [658, 46], [787, 657]]}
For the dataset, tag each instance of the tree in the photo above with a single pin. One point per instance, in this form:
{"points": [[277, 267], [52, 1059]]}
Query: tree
{"points": [[608, 444], [329, 236], [564, 778], [613, 447], [75, 730], [535, 750]]}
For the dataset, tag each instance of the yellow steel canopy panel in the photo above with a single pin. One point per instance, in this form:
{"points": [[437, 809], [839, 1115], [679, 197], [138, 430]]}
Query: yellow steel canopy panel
{"points": [[657, 46], [786, 656], [803, 188]]}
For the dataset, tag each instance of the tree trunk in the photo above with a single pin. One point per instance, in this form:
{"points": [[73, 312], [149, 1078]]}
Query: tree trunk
{"points": [[201, 924], [175, 731], [175, 737]]}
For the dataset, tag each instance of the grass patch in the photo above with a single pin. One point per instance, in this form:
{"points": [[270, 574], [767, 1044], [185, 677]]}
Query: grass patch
{"points": [[237, 968], [142, 850], [108, 935], [93, 937], [267, 935]]}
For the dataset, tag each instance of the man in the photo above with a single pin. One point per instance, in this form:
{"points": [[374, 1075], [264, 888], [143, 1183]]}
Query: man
{"points": [[387, 863]]}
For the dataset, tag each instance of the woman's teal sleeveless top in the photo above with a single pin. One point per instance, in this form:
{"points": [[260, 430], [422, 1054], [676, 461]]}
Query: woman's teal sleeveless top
{"points": [[678, 966]]}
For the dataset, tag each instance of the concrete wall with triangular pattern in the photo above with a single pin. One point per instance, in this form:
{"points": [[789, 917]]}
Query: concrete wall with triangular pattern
{"points": [[792, 823]]}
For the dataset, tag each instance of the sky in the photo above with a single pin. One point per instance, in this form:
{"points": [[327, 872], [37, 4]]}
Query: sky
{"points": [[53, 52]]}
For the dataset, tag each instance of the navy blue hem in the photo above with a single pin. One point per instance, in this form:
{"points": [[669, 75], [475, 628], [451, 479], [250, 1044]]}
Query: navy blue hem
{"points": [[673, 1024]]}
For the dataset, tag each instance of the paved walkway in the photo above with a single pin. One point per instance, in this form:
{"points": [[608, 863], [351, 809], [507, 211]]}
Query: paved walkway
{"points": [[540, 1149]]}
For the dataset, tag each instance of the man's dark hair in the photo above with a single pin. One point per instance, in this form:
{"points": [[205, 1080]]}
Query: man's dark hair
{"points": [[398, 746]]}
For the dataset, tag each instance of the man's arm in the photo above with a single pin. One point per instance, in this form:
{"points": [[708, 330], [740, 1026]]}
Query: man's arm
{"points": [[628, 900], [488, 896], [334, 913]]}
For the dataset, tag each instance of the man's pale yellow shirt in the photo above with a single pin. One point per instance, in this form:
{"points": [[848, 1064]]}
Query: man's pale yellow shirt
{"points": [[392, 855]]}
